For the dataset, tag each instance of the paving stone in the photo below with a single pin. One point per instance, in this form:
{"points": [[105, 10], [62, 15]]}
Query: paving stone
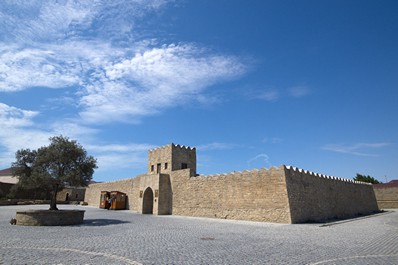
{"points": [[123, 237]]}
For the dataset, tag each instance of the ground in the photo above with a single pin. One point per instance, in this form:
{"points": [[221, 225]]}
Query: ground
{"points": [[123, 237]]}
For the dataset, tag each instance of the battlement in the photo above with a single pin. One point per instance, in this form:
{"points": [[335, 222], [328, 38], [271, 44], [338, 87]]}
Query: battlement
{"points": [[167, 146], [310, 173], [290, 169], [247, 172]]}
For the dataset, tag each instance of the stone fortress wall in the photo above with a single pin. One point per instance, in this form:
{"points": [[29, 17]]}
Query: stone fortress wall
{"points": [[387, 198], [315, 197], [256, 195], [93, 191], [387, 194], [71, 194], [281, 195]]}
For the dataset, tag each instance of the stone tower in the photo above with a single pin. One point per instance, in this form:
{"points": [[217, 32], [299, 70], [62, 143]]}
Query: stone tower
{"points": [[170, 158]]}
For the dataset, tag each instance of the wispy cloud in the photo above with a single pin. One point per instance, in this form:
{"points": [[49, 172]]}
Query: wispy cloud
{"points": [[359, 149], [152, 80], [121, 148], [108, 70], [217, 146], [273, 140], [14, 117], [275, 94], [298, 91], [114, 76], [18, 131], [261, 160], [120, 156], [268, 95]]}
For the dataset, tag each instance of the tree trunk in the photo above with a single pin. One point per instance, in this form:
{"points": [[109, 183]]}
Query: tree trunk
{"points": [[53, 202]]}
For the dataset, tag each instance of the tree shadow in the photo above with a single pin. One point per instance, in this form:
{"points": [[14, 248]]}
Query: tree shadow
{"points": [[102, 222]]}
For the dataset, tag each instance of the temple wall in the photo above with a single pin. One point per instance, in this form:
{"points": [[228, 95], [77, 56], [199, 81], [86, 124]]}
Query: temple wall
{"points": [[127, 186], [316, 198], [256, 195], [387, 198]]}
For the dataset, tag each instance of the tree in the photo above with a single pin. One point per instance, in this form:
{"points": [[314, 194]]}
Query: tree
{"points": [[367, 179], [63, 162]]}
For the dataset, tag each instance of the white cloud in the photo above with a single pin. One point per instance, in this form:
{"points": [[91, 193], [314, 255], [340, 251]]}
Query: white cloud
{"points": [[359, 149], [260, 160], [17, 131], [111, 156], [14, 117], [120, 148], [217, 146], [274, 94], [92, 51], [79, 46], [31, 67], [153, 80], [298, 91], [268, 95], [43, 21], [115, 161]]}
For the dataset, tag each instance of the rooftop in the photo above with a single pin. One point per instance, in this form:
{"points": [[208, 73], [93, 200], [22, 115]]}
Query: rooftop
{"points": [[6, 172], [391, 184]]}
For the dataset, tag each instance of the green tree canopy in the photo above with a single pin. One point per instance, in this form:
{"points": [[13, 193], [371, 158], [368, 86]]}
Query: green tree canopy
{"points": [[367, 179], [63, 162]]}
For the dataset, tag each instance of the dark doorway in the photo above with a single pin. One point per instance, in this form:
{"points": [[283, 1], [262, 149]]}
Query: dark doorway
{"points": [[147, 204], [67, 197]]}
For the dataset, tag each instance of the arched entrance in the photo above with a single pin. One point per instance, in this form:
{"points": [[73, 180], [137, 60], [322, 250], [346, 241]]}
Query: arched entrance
{"points": [[147, 204], [67, 197]]}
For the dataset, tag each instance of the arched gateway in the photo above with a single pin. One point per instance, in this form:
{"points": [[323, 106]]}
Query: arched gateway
{"points": [[147, 203]]}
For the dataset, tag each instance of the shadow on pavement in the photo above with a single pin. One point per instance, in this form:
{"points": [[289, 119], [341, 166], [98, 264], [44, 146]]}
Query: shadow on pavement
{"points": [[102, 222]]}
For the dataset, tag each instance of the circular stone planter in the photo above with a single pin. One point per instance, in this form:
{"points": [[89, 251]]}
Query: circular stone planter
{"points": [[47, 217]]}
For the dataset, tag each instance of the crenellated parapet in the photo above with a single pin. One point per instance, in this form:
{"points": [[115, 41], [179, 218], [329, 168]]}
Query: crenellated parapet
{"points": [[183, 147], [172, 145], [310, 173], [244, 172]]}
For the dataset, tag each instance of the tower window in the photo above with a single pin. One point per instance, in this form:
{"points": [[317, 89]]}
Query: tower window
{"points": [[165, 165], [184, 165], [152, 168]]}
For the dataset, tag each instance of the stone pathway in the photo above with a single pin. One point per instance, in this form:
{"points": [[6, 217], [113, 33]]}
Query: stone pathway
{"points": [[123, 237]]}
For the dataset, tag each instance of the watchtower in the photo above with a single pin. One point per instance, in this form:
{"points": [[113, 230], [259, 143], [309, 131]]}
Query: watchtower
{"points": [[171, 157]]}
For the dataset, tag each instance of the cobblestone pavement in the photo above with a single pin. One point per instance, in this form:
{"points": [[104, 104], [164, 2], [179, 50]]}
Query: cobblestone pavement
{"points": [[123, 237]]}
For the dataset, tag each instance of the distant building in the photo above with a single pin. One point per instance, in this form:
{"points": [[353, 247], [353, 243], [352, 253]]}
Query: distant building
{"points": [[279, 194], [6, 182], [71, 194], [387, 194]]}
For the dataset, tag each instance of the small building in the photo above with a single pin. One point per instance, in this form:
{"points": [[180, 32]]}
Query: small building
{"points": [[387, 194], [118, 200], [114, 200], [71, 194], [7, 180], [104, 199]]}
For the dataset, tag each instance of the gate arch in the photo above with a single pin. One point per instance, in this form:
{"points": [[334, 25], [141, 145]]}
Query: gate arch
{"points": [[147, 202]]}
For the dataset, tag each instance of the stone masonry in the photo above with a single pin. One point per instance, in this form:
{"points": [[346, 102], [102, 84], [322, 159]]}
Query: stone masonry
{"points": [[280, 195], [387, 194]]}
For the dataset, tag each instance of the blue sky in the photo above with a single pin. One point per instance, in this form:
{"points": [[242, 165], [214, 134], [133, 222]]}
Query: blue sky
{"points": [[250, 84]]}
